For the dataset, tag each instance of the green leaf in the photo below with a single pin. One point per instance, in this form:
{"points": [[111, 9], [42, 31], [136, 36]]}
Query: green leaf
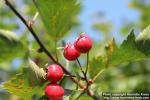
{"points": [[143, 41], [10, 46], [128, 51], [27, 83], [19, 86], [57, 15], [96, 65]]}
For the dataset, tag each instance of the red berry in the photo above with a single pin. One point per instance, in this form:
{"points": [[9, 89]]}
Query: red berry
{"points": [[54, 73], [54, 92], [83, 43], [70, 52]]}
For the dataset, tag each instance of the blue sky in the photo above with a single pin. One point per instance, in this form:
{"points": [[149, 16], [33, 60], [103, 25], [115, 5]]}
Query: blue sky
{"points": [[115, 11]]}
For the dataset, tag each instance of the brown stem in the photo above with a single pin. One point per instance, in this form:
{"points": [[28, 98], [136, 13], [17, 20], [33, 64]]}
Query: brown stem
{"points": [[39, 42], [44, 48]]}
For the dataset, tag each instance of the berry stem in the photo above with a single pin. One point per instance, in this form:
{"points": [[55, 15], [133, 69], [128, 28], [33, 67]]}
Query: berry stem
{"points": [[80, 67], [84, 74], [87, 65]]}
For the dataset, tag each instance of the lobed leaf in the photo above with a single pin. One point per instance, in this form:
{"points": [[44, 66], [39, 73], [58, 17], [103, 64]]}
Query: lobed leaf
{"points": [[126, 52], [132, 49]]}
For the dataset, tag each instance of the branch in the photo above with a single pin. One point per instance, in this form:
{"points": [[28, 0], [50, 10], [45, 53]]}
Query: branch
{"points": [[80, 67], [39, 42], [87, 65], [29, 27]]}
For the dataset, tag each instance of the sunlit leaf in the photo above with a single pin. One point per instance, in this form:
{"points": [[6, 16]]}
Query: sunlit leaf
{"points": [[57, 15]]}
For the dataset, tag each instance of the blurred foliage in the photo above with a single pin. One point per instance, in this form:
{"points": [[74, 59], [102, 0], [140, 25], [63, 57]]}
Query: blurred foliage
{"points": [[104, 26], [6, 18], [10, 45], [126, 75], [143, 7]]}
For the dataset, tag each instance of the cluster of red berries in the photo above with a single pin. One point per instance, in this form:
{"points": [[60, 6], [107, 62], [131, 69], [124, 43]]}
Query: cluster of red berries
{"points": [[54, 91], [54, 72], [82, 45]]}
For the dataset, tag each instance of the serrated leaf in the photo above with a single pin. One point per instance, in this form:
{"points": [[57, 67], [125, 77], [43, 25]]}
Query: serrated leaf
{"points": [[10, 46], [19, 86], [143, 41], [127, 52], [27, 83], [57, 15], [96, 65]]}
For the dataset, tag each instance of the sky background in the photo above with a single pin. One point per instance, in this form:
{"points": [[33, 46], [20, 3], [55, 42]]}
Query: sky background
{"points": [[116, 11]]}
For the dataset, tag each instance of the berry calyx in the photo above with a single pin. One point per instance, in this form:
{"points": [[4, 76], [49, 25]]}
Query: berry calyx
{"points": [[70, 52], [54, 73], [83, 43], [54, 91]]}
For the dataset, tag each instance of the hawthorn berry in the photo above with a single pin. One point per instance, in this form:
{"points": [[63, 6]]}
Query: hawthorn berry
{"points": [[70, 52], [54, 91], [83, 43], [54, 73]]}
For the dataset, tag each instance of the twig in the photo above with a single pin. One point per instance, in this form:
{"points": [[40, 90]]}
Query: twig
{"points": [[29, 27], [87, 65], [77, 86], [39, 42], [98, 74], [86, 79], [80, 67]]}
